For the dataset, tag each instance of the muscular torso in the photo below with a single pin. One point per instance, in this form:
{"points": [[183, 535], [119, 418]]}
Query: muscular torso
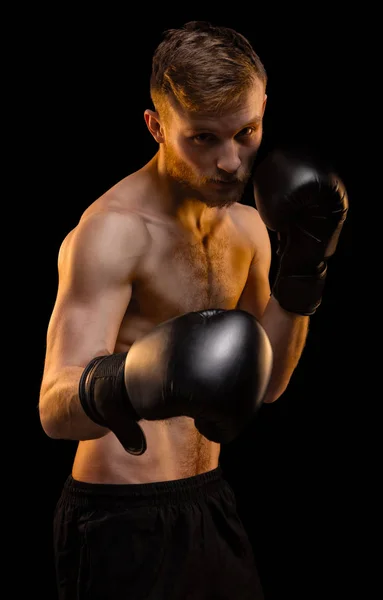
{"points": [[180, 273]]}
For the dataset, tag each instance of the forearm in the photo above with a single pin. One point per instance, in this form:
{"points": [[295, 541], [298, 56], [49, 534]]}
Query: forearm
{"points": [[287, 333], [61, 413]]}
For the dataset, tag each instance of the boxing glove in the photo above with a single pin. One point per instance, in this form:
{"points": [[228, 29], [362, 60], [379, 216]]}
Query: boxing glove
{"points": [[213, 366], [306, 203]]}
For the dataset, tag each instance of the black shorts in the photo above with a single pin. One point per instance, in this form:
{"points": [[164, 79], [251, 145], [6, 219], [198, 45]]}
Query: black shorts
{"points": [[174, 540]]}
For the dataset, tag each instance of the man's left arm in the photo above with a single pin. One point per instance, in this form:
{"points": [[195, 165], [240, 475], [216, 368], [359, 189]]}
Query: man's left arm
{"points": [[287, 331], [301, 198]]}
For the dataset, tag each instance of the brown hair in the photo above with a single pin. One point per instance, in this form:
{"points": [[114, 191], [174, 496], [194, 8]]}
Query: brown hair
{"points": [[203, 67]]}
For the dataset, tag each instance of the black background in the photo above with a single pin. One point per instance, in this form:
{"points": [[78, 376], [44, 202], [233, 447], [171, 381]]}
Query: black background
{"points": [[87, 78]]}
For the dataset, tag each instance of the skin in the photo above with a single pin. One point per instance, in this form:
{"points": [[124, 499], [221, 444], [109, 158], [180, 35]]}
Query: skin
{"points": [[166, 240]]}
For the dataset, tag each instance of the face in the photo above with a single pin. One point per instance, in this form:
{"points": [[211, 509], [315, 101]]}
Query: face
{"points": [[212, 156]]}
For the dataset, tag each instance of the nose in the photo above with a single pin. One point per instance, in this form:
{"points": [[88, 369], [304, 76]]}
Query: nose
{"points": [[228, 159]]}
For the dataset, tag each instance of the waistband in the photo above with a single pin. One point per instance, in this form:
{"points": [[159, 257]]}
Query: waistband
{"points": [[95, 495]]}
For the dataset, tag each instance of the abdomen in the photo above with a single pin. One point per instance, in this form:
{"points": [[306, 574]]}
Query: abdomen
{"points": [[175, 450]]}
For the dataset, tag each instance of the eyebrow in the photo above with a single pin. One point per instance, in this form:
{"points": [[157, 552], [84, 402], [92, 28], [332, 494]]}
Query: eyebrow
{"points": [[202, 127]]}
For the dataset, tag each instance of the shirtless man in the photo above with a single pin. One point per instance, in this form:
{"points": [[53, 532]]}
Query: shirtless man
{"points": [[146, 511]]}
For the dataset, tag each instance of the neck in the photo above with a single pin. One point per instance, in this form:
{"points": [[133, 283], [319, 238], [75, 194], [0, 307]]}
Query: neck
{"points": [[180, 202]]}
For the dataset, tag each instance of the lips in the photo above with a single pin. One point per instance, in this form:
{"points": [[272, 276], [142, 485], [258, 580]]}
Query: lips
{"points": [[225, 182]]}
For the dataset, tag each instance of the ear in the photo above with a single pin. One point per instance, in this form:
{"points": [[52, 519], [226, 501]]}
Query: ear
{"points": [[264, 104], [152, 120]]}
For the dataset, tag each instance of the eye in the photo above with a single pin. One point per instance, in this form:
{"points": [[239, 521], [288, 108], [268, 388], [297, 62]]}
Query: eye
{"points": [[247, 132], [201, 138]]}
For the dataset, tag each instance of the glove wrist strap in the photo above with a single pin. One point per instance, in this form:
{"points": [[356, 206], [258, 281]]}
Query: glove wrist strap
{"points": [[300, 294], [102, 389]]}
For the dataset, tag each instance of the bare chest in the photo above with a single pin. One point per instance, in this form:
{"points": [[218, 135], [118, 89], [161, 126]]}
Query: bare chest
{"points": [[185, 275]]}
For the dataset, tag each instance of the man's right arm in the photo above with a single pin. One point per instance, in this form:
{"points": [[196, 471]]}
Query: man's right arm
{"points": [[96, 266]]}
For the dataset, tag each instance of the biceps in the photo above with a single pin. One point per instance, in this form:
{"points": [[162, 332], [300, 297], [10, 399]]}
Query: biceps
{"points": [[79, 330], [256, 293]]}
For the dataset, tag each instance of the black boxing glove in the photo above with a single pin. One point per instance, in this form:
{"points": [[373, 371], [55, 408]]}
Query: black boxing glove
{"points": [[213, 366], [306, 203]]}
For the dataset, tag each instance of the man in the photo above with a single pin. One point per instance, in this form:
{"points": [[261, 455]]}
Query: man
{"points": [[163, 296]]}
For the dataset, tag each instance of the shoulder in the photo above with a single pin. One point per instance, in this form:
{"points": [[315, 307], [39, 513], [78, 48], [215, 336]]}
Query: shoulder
{"points": [[111, 214], [244, 212], [107, 231], [249, 222]]}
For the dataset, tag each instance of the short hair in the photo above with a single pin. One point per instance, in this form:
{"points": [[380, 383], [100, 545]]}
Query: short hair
{"points": [[203, 67]]}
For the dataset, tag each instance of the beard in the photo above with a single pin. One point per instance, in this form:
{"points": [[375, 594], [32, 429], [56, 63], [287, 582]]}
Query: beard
{"points": [[200, 186]]}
